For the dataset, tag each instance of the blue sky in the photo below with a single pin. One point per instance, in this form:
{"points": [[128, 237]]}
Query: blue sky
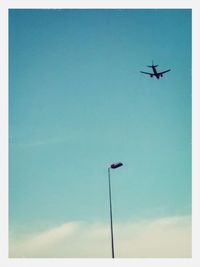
{"points": [[78, 102]]}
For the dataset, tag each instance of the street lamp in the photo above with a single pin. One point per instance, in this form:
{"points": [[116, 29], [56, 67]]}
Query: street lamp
{"points": [[112, 166]]}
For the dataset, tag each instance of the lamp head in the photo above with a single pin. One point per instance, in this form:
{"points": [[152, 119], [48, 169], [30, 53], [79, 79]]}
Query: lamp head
{"points": [[116, 165]]}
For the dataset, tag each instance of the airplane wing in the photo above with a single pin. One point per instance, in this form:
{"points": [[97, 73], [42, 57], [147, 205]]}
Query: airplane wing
{"points": [[163, 71], [147, 73]]}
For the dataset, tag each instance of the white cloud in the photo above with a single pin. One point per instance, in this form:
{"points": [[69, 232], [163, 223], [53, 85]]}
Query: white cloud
{"points": [[158, 238], [161, 238]]}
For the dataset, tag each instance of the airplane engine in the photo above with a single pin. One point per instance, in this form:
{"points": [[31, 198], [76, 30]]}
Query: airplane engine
{"points": [[161, 75], [151, 75]]}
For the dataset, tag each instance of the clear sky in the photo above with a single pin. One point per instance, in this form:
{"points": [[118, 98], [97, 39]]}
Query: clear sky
{"points": [[78, 102]]}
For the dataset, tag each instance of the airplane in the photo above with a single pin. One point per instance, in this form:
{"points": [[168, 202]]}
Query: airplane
{"points": [[155, 72]]}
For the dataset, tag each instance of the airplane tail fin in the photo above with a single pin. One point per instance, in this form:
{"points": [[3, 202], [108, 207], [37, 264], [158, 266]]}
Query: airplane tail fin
{"points": [[152, 65]]}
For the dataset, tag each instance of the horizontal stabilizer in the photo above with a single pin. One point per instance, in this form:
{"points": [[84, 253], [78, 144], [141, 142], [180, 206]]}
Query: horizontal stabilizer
{"points": [[152, 66]]}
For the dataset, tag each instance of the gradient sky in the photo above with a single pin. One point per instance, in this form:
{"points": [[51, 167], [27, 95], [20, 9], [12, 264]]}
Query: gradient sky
{"points": [[78, 102]]}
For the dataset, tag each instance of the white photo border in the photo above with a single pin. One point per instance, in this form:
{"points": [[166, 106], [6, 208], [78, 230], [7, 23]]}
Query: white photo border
{"points": [[4, 56]]}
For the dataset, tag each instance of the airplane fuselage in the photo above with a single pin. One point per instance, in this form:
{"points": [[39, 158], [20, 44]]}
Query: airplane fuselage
{"points": [[156, 74]]}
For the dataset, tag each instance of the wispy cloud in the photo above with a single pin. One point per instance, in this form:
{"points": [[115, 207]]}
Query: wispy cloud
{"points": [[159, 238]]}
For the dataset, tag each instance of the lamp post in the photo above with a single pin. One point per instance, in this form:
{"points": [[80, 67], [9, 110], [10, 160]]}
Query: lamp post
{"points": [[112, 166]]}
